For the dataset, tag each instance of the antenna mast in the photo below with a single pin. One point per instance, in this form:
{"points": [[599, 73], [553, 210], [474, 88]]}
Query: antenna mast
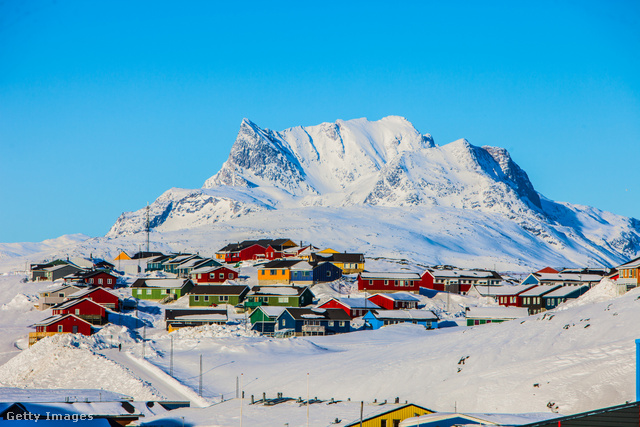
{"points": [[147, 227]]}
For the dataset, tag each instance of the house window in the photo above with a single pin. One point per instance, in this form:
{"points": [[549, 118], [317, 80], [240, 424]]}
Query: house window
{"points": [[272, 272], [283, 299], [328, 274], [230, 275], [167, 291], [262, 272], [199, 276], [77, 311], [212, 275], [330, 323], [282, 322], [383, 423], [221, 276], [386, 282], [196, 297], [108, 281], [99, 281], [90, 280], [342, 323], [283, 272], [223, 298], [61, 295], [148, 291], [371, 282], [59, 328]]}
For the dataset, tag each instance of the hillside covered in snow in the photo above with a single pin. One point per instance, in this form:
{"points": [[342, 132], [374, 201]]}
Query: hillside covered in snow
{"points": [[385, 189]]}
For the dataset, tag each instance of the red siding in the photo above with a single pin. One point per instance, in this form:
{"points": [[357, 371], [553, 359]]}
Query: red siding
{"points": [[335, 304], [389, 304], [103, 297], [391, 286], [246, 254], [206, 277], [105, 277], [68, 323], [86, 307]]}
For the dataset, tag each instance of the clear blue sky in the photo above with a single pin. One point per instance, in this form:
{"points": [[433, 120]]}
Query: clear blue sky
{"points": [[106, 104]]}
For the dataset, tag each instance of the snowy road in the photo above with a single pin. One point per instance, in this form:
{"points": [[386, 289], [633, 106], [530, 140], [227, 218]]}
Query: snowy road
{"points": [[168, 386]]}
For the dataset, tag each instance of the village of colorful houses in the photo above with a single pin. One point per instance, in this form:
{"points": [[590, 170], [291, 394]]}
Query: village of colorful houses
{"points": [[271, 286], [280, 301]]}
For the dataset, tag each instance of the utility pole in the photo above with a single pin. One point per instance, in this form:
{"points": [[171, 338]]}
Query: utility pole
{"points": [[237, 387], [144, 338], [171, 363], [361, 410], [241, 399], [308, 403], [200, 385]]}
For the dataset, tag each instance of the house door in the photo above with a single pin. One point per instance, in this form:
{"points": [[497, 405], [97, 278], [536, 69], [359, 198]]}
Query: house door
{"points": [[75, 329]]}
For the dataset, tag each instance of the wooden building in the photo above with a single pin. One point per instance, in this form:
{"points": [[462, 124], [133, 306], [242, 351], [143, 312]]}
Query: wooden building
{"points": [[284, 296], [57, 295], [102, 296], [375, 319], [59, 324], [313, 321], [349, 263], [176, 318], [85, 309], [629, 274], [395, 301], [532, 299], [554, 298], [213, 295], [263, 319], [354, 307], [161, 289], [213, 274], [389, 415], [389, 282]]}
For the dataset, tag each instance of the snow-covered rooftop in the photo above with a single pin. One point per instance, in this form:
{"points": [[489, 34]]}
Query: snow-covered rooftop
{"points": [[406, 314], [357, 303], [399, 296], [390, 275], [569, 277], [634, 263], [202, 317], [461, 273], [276, 290], [565, 290], [497, 312], [164, 283], [538, 291], [502, 290], [272, 310]]}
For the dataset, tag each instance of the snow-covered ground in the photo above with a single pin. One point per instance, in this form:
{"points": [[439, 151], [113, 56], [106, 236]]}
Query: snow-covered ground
{"points": [[577, 357]]}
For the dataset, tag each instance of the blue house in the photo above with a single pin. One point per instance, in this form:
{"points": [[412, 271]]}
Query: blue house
{"points": [[560, 295], [313, 321], [326, 272], [375, 319]]}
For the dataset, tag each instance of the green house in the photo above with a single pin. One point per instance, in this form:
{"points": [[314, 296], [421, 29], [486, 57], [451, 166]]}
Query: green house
{"points": [[263, 319], [156, 264], [283, 296], [210, 295], [159, 289]]}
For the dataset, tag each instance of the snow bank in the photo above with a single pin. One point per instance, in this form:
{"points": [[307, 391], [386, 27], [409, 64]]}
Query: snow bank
{"points": [[55, 362], [603, 291]]}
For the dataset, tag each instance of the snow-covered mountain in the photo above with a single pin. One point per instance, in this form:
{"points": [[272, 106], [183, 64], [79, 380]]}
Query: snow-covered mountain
{"points": [[385, 188]]}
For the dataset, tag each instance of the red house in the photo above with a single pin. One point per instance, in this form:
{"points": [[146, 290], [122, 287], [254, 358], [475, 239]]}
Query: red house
{"points": [[101, 296], [458, 281], [254, 249], [213, 274], [83, 308], [395, 301], [509, 296], [390, 282], [94, 278], [59, 324], [354, 307]]}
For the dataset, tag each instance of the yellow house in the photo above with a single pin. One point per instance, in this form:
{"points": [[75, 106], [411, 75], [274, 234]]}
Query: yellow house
{"points": [[278, 271], [390, 416], [328, 251], [122, 256], [349, 263]]}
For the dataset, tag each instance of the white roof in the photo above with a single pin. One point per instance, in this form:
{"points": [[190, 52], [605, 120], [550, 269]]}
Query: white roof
{"points": [[564, 291], [387, 275], [568, 277], [190, 263], [357, 303], [302, 265], [271, 310], [634, 263], [58, 267], [406, 314], [502, 290], [83, 292], [208, 269], [399, 296], [312, 316], [538, 291], [497, 312], [164, 283], [275, 290], [202, 317], [461, 273], [61, 287]]}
